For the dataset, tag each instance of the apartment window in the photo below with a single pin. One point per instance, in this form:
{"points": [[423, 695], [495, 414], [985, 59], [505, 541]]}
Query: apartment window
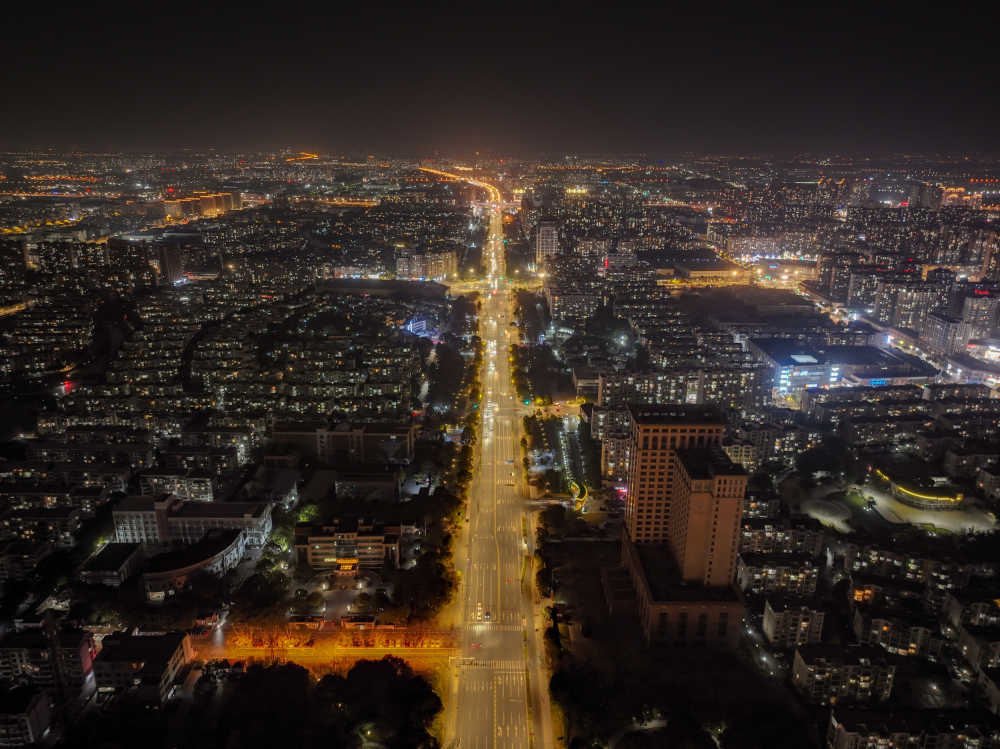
{"points": [[663, 623], [682, 625], [723, 623]]}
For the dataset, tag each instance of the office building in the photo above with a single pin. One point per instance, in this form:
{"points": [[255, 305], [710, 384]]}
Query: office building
{"points": [[346, 545], [166, 519]]}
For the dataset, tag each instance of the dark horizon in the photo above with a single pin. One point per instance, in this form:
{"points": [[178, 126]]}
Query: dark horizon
{"points": [[402, 82]]}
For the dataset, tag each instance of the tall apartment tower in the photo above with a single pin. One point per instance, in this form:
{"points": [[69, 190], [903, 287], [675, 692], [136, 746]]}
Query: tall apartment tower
{"points": [[682, 525], [657, 432], [707, 510], [546, 242]]}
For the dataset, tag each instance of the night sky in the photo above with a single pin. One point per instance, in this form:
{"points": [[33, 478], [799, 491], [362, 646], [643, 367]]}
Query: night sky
{"points": [[518, 82]]}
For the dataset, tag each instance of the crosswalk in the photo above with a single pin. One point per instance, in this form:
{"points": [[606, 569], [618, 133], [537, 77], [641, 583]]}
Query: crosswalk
{"points": [[497, 665], [505, 621], [492, 627]]}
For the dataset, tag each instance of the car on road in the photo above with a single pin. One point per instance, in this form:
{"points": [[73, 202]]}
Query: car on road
{"points": [[486, 616]]}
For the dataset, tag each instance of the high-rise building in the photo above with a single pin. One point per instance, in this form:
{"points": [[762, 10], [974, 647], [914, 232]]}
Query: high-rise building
{"points": [[980, 312], [426, 265], [988, 245], [682, 525], [705, 520], [546, 242], [171, 264], [657, 433], [834, 270], [905, 304]]}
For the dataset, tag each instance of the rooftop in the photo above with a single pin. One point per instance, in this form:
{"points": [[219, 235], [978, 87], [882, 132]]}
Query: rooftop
{"points": [[663, 578], [850, 655], [111, 557], [673, 414], [706, 463], [214, 542], [914, 721], [152, 651]]}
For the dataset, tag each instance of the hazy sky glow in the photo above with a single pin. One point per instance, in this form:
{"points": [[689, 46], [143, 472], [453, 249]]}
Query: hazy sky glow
{"points": [[518, 81]]}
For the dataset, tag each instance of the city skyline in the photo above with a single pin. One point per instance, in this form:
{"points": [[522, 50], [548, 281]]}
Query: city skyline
{"points": [[488, 378]]}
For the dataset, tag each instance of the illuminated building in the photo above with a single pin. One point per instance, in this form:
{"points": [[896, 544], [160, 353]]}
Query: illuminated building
{"points": [[201, 205], [546, 242], [797, 367], [980, 311], [829, 674], [787, 574], [944, 334], [790, 622], [925, 499], [705, 521], [220, 551], [834, 273], [657, 432], [426, 265], [346, 545], [682, 518], [63, 659], [166, 519], [904, 304]]}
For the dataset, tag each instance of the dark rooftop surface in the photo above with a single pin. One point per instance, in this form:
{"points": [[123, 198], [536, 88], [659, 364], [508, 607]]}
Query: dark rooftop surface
{"points": [[914, 721], [154, 650], [853, 654], [663, 578], [111, 557], [706, 463], [789, 353], [215, 541], [671, 414]]}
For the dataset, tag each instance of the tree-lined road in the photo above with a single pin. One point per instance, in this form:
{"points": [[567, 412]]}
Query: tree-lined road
{"points": [[499, 688]]}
